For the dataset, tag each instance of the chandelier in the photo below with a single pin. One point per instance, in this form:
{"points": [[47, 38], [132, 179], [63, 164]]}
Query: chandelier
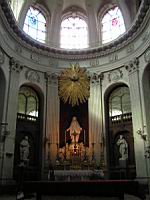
{"points": [[74, 85]]}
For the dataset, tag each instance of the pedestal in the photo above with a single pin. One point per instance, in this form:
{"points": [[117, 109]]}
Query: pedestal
{"points": [[123, 169]]}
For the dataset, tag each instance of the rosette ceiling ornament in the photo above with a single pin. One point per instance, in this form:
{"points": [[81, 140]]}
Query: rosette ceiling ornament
{"points": [[74, 85]]}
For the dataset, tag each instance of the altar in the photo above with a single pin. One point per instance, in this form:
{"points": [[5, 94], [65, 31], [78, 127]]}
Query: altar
{"points": [[76, 175]]}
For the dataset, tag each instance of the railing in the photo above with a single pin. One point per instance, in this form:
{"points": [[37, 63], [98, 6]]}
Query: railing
{"points": [[127, 117], [24, 117]]}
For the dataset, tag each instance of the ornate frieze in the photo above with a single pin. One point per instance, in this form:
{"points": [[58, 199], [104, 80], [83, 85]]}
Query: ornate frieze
{"points": [[147, 55], [2, 57], [35, 57], [94, 63], [32, 76], [146, 36], [115, 75], [15, 65], [53, 62], [132, 66], [18, 48], [130, 48], [113, 57]]}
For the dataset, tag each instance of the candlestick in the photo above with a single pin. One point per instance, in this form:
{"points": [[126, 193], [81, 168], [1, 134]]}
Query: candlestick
{"points": [[84, 137], [65, 137]]}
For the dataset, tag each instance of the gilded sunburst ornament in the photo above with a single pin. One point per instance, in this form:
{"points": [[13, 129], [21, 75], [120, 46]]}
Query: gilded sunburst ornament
{"points": [[74, 85]]}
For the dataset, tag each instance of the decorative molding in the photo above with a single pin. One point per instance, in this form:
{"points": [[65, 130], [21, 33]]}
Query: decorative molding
{"points": [[146, 36], [130, 48], [94, 63], [94, 52], [2, 57], [132, 66], [15, 65], [53, 63], [35, 57], [18, 48], [113, 57], [115, 75], [52, 77], [147, 56], [32, 76], [95, 78]]}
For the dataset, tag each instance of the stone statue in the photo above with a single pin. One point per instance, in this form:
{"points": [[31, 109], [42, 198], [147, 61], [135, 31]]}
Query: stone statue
{"points": [[123, 148], [75, 130], [24, 149]]}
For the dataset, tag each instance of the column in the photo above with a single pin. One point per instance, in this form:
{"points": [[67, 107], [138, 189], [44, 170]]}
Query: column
{"points": [[95, 118], [10, 120], [52, 126], [92, 24], [54, 34], [137, 116], [125, 12]]}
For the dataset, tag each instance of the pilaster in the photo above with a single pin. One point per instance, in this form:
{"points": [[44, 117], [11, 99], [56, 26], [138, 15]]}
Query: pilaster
{"points": [[10, 119], [137, 116], [92, 24], [95, 117], [52, 128], [56, 19]]}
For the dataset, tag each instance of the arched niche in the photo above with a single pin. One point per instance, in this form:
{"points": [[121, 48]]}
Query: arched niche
{"points": [[29, 125], [118, 118], [146, 94]]}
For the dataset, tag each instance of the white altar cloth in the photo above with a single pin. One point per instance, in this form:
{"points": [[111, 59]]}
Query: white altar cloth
{"points": [[76, 174]]}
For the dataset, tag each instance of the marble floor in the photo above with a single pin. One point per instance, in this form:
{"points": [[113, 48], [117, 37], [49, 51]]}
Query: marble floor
{"points": [[126, 197]]}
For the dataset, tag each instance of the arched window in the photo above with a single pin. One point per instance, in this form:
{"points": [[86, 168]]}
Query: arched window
{"points": [[16, 6], [28, 103], [74, 33], [112, 25], [35, 24], [119, 102]]}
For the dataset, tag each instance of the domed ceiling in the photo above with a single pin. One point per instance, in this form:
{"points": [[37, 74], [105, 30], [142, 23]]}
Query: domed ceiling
{"points": [[129, 9], [132, 5]]}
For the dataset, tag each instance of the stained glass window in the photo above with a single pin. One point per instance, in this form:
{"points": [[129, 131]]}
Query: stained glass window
{"points": [[74, 34], [35, 24], [28, 103], [119, 101], [112, 25]]}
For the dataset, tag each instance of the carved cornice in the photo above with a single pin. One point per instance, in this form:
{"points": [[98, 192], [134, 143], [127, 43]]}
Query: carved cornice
{"points": [[15, 65], [32, 76], [132, 66], [78, 54]]}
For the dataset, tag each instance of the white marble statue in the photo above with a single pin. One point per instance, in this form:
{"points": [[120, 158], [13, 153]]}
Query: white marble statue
{"points": [[75, 130], [123, 148], [24, 149]]}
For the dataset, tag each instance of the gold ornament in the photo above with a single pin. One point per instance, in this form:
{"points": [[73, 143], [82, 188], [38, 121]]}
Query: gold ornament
{"points": [[74, 85]]}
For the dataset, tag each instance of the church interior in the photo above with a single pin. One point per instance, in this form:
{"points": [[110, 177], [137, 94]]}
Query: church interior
{"points": [[75, 97]]}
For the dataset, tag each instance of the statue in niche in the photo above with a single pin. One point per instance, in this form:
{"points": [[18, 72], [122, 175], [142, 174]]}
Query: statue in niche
{"points": [[123, 148], [24, 150], [75, 130]]}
